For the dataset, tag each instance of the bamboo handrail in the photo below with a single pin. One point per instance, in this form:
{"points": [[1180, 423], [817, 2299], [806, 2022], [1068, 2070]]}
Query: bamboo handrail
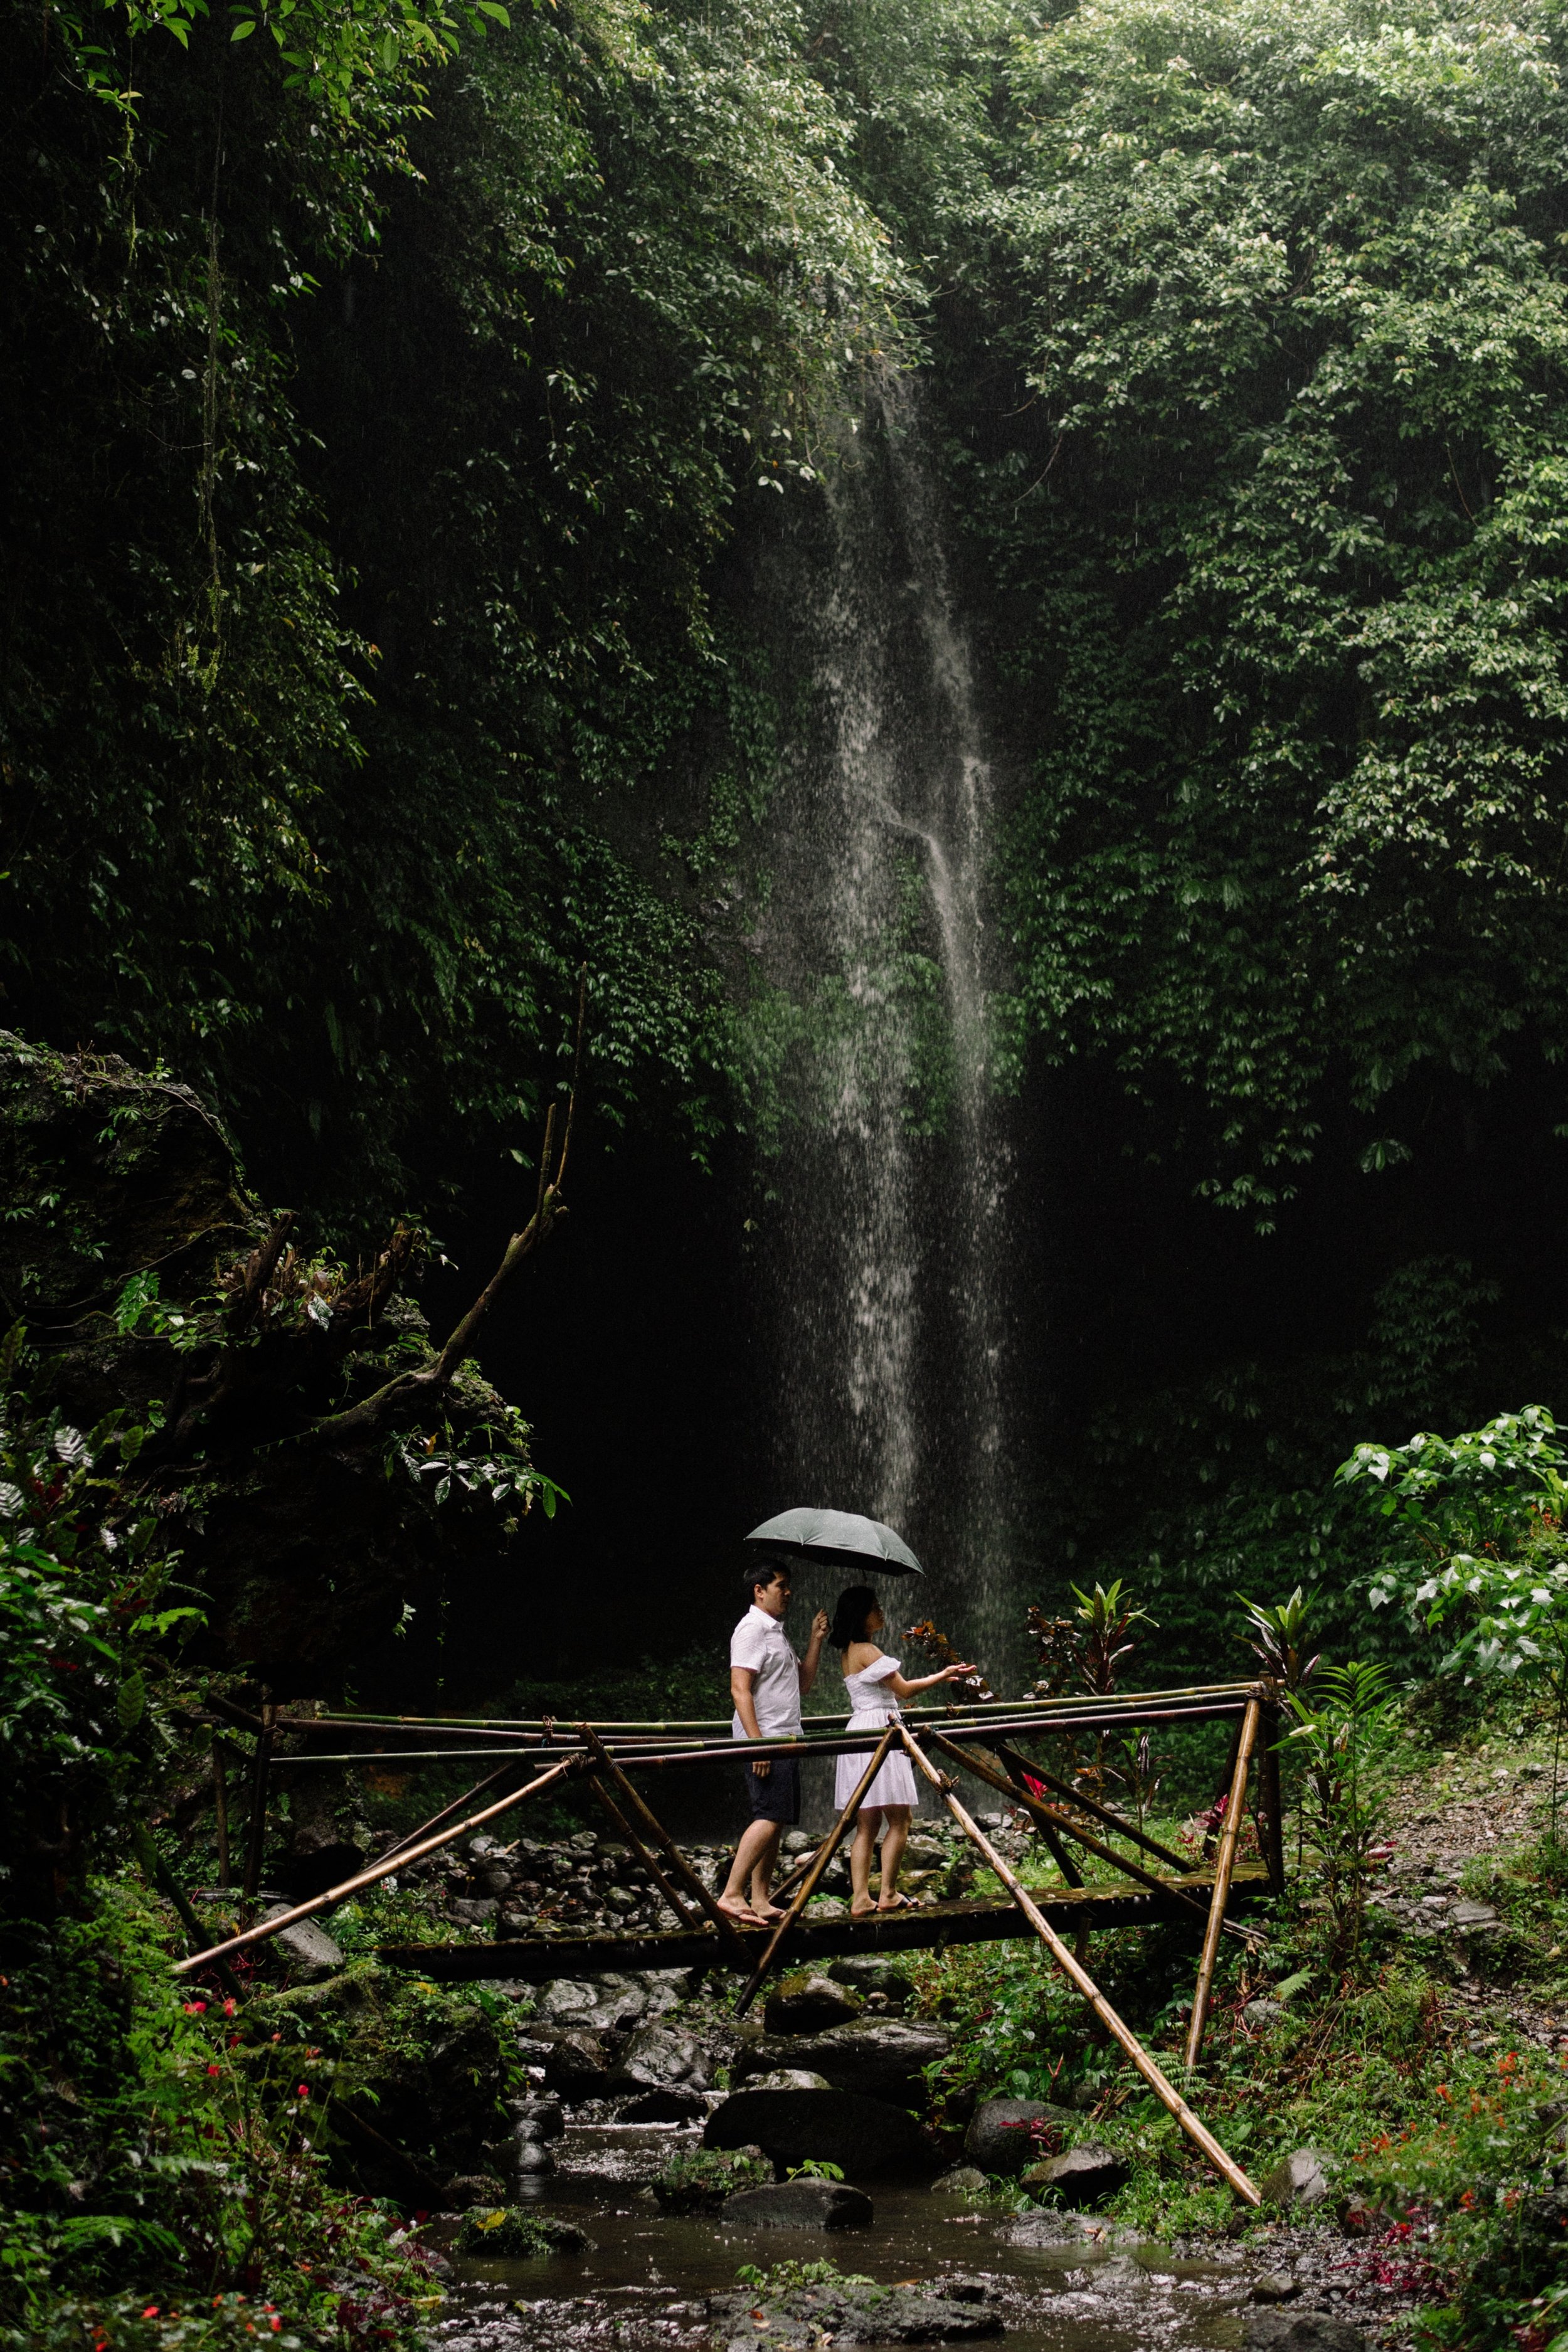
{"points": [[367, 1877], [819, 1862], [1225, 1862], [1079, 1978]]}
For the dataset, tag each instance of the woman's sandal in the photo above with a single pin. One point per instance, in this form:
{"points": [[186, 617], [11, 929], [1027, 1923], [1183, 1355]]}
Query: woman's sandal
{"points": [[899, 1902]]}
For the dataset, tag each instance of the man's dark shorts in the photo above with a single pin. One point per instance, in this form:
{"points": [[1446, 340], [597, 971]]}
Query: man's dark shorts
{"points": [[775, 1795]]}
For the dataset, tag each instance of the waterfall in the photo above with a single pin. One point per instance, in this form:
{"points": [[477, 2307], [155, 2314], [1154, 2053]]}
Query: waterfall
{"points": [[888, 1246]]}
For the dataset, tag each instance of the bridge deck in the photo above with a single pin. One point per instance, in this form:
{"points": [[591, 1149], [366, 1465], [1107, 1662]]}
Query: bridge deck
{"points": [[933, 1926]]}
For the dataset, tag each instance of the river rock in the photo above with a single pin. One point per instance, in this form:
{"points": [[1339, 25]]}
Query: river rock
{"points": [[859, 2134], [881, 2058], [670, 2106], [1302, 2178], [662, 2058], [1083, 2176], [809, 2003], [309, 1952], [999, 2138], [869, 1972], [574, 2061], [845, 2314], [1300, 2331], [536, 2118], [799, 2205], [1275, 2286], [963, 2181], [599, 2002], [1261, 2013], [790, 2078]]}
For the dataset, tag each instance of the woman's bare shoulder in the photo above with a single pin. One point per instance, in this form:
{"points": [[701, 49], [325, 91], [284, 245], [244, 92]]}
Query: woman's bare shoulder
{"points": [[859, 1655]]}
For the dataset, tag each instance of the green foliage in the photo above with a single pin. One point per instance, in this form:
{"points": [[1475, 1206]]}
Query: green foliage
{"points": [[1345, 1732], [1275, 521], [1479, 1491], [789, 2277], [504, 2232], [816, 2169], [698, 2179]]}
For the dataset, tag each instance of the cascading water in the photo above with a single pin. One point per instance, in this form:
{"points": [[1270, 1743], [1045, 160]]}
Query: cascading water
{"points": [[888, 1343]]}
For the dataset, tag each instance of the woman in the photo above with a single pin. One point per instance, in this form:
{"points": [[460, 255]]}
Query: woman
{"points": [[875, 1685]]}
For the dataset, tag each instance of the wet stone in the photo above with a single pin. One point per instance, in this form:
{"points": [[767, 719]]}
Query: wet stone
{"points": [[859, 2135], [1302, 2178], [1300, 2331], [1083, 2176], [1004, 2137], [810, 2003], [309, 1952], [799, 2205], [848, 2314]]}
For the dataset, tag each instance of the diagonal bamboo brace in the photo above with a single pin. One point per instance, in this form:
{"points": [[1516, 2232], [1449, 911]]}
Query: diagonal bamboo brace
{"points": [[384, 1868], [1079, 1978], [688, 1919], [819, 1862], [1048, 1818], [697, 1892], [1225, 1863], [1085, 1803]]}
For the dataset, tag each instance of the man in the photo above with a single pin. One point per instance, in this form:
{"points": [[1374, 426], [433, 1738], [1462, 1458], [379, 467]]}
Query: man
{"points": [[767, 1682]]}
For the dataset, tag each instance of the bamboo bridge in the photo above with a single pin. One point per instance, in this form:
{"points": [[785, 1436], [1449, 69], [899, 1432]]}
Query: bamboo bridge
{"points": [[980, 1740]]}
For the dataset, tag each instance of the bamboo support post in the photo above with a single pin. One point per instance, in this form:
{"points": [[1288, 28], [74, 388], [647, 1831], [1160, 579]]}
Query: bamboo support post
{"points": [[819, 1862], [220, 1809], [1082, 1982], [702, 1895], [1225, 1862], [688, 1919], [375, 1872], [256, 1838], [1043, 1812], [1088, 1805], [156, 1871]]}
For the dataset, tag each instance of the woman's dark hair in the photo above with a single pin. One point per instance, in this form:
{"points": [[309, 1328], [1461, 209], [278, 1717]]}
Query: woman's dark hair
{"points": [[849, 1618]]}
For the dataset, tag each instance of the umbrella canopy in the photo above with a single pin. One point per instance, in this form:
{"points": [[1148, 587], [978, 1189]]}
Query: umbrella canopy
{"points": [[843, 1538]]}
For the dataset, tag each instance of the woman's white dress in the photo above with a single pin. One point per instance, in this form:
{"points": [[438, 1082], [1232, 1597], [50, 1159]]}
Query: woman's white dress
{"points": [[873, 1707]]}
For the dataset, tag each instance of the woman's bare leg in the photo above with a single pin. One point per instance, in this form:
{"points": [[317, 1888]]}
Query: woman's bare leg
{"points": [[894, 1838], [861, 1853]]}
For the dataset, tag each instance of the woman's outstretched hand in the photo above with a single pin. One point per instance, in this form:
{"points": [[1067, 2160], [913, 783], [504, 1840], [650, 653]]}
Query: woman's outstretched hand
{"points": [[955, 1674]]}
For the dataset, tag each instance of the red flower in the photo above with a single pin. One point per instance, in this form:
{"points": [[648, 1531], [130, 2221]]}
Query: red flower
{"points": [[195, 2008], [151, 2312], [230, 2007], [215, 2069], [303, 2091]]}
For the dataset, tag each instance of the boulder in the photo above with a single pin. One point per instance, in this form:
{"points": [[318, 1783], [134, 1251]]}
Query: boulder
{"points": [[1302, 2178], [799, 2205], [859, 2134], [663, 2107], [1300, 2331], [574, 2061], [309, 1952], [869, 1972], [809, 2003], [846, 2313], [1083, 2176], [662, 2058], [1275, 2286], [963, 2181], [880, 2058], [1002, 2138], [595, 2003], [1261, 2014], [537, 2118], [790, 2078]]}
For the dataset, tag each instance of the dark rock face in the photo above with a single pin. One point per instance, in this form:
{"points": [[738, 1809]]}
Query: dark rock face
{"points": [[663, 2107], [882, 2059], [848, 2314], [868, 1972], [1083, 2176], [662, 2058], [1300, 2331], [860, 2135], [575, 2062], [810, 2003], [799, 2205], [999, 2139]]}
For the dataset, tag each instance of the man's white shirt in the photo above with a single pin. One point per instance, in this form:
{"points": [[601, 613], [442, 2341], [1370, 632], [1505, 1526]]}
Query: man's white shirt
{"points": [[760, 1642]]}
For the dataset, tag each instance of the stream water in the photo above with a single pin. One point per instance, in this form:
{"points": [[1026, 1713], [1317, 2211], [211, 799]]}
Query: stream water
{"points": [[892, 1289], [649, 2277]]}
